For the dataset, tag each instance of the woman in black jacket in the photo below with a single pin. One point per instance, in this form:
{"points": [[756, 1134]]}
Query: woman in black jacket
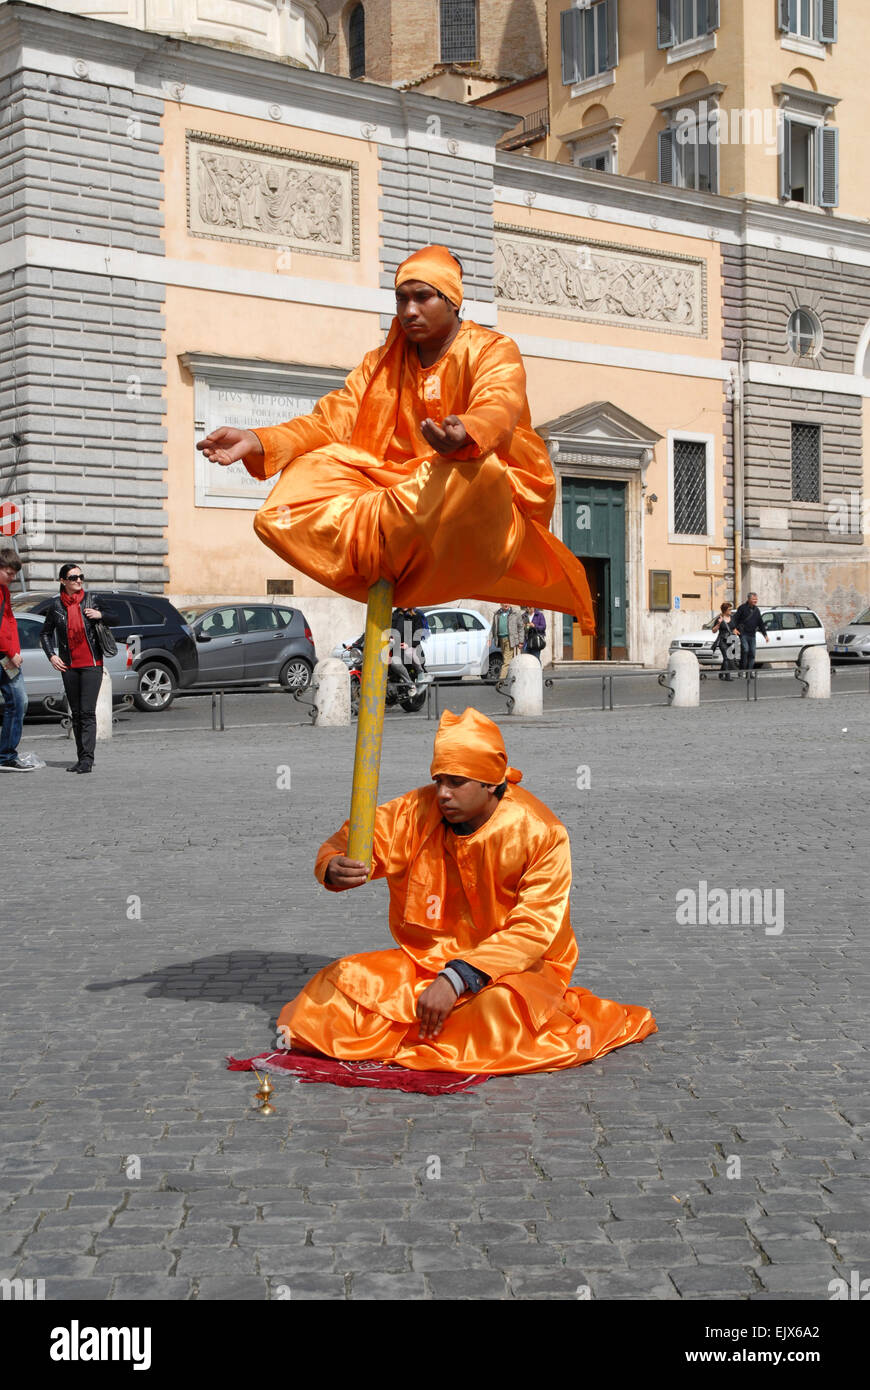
{"points": [[723, 628], [71, 642]]}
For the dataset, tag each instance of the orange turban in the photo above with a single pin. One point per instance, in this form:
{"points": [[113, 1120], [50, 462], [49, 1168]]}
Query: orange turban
{"points": [[435, 266], [470, 745]]}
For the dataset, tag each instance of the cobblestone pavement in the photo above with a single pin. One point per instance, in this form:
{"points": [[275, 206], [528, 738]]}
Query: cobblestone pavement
{"points": [[723, 1158]]}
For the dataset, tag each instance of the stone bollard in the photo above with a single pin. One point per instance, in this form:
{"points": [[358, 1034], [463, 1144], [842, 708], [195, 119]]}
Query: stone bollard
{"points": [[331, 693], [527, 690], [104, 707], [814, 671], [683, 679]]}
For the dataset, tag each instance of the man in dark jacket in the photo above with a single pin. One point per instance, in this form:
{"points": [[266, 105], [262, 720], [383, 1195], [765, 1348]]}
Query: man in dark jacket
{"points": [[747, 623]]}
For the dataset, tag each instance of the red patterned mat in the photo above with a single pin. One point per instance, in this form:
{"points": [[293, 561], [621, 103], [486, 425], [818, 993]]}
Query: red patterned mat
{"points": [[384, 1075]]}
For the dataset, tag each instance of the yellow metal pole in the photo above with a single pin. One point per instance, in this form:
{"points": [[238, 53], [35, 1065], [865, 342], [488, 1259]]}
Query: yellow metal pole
{"points": [[370, 725]]}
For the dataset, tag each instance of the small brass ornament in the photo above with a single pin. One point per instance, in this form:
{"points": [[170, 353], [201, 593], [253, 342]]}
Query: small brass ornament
{"points": [[264, 1094]]}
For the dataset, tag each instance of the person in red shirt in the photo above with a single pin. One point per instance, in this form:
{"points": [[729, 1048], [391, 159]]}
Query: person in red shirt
{"points": [[11, 680], [72, 645]]}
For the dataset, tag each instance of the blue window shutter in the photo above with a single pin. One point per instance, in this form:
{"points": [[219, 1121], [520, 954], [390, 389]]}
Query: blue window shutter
{"points": [[667, 37], [666, 155], [612, 33], [829, 166], [827, 21], [785, 19], [712, 15], [785, 160], [571, 20]]}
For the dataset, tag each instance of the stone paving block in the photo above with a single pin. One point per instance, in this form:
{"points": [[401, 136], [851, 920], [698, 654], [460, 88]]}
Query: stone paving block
{"points": [[713, 1281], [390, 1287], [387, 1259], [811, 1281], [141, 1288], [445, 1257], [138, 1259], [455, 1284], [233, 1288]]}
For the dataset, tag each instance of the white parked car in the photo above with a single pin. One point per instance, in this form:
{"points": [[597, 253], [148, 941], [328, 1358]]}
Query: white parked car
{"points": [[456, 644], [789, 631]]}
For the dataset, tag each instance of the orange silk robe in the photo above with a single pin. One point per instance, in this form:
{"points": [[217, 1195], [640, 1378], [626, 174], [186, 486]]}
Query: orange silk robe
{"points": [[498, 899], [366, 497]]}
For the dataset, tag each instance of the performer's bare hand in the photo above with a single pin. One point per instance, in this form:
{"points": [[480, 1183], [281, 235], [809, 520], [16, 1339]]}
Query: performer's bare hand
{"points": [[433, 1006], [448, 438], [343, 873], [227, 445]]}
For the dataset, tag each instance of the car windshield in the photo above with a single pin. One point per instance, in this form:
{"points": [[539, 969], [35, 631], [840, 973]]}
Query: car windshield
{"points": [[863, 619]]}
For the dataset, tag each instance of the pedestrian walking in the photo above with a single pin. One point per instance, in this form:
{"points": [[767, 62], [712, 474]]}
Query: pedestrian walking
{"points": [[748, 622], [74, 645], [535, 627], [507, 632], [725, 640], [12, 686]]}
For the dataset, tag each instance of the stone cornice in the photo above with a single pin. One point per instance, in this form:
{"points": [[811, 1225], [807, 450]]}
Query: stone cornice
{"points": [[657, 205]]}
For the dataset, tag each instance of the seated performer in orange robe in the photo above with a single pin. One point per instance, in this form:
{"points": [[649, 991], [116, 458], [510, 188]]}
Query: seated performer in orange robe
{"points": [[479, 873], [423, 469]]}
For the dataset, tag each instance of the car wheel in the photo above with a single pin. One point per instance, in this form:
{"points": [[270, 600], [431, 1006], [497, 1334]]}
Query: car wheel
{"points": [[494, 671], [295, 674], [156, 687]]}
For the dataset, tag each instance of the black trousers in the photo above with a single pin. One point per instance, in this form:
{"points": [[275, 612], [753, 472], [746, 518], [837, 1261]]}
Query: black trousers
{"points": [[82, 686]]}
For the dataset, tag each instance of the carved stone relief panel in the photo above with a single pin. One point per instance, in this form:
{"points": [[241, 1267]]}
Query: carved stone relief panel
{"points": [[599, 282], [269, 196]]}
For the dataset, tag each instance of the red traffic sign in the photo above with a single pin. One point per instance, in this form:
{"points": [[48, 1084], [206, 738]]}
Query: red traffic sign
{"points": [[10, 519]]}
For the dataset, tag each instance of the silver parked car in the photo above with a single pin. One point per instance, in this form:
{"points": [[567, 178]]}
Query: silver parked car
{"points": [[789, 631], [247, 643], [852, 643], [43, 683]]}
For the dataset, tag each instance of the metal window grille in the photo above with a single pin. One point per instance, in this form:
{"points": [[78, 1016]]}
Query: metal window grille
{"points": [[458, 31], [806, 461], [690, 488], [356, 42]]}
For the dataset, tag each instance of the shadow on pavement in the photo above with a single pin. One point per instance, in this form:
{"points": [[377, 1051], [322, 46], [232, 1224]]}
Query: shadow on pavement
{"points": [[241, 977]]}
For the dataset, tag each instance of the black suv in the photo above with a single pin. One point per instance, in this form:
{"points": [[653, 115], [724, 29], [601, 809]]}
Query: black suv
{"points": [[164, 654]]}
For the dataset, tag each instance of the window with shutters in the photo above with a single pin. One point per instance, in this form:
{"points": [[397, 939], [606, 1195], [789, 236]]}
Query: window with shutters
{"points": [[690, 500], [689, 149], [458, 31], [683, 21], [356, 41], [589, 41], [810, 163], [808, 19], [806, 463]]}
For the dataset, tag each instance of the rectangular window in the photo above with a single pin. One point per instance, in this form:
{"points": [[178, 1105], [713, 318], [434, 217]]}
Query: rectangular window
{"points": [[458, 31], [690, 487], [680, 21], [589, 41], [602, 162], [689, 151], [809, 19], [806, 463], [810, 163]]}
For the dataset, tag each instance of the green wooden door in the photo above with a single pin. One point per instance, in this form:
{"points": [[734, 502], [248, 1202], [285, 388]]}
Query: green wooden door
{"points": [[593, 527]]}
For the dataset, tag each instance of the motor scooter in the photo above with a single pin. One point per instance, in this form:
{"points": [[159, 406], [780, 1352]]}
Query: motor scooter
{"points": [[406, 685]]}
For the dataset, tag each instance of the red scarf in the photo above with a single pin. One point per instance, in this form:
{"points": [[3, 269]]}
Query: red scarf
{"points": [[80, 653]]}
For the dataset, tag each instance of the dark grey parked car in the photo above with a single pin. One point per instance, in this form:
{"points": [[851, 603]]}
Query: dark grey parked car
{"points": [[245, 643]]}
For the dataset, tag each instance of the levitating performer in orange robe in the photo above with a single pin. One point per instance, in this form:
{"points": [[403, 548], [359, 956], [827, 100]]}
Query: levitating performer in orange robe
{"points": [[479, 873], [423, 469]]}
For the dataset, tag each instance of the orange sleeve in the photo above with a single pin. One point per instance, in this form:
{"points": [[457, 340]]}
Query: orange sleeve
{"points": [[537, 917], [331, 420], [386, 819], [496, 400]]}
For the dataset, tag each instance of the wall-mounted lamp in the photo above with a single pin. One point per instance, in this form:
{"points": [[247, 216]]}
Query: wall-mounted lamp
{"points": [[650, 501]]}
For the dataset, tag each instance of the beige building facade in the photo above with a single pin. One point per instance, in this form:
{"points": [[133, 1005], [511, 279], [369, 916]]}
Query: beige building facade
{"points": [[202, 235]]}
